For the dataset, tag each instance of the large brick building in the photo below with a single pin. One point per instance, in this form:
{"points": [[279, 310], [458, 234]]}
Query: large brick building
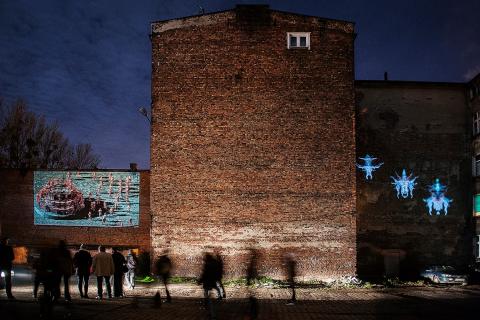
{"points": [[253, 141], [257, 124]]}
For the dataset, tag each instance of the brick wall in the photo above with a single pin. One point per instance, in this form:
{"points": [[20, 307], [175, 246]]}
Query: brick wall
{"points": [[16, 212], [253, 144], [424, 128]]}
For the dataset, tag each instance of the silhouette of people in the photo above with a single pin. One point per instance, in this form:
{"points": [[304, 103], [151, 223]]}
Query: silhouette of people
{"points": [[6, 263], [103, 268], [131, 266], [65, 268], [290, 265], [82, 260], [209, 277], [164, 268], [119, 263], [219, 275], [36, 265], [252, 275]]}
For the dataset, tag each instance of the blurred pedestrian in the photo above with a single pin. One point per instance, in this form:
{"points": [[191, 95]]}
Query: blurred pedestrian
{"points": [[219, 275], [131, 266], [290, 265], [82, 260], [164, 268], [120, 267], [65, 268], [103, 268], [208, 278], [6, 263], [252, 275]]}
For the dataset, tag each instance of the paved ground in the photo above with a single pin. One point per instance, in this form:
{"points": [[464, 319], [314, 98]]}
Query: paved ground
{"points": [[314, 303]]}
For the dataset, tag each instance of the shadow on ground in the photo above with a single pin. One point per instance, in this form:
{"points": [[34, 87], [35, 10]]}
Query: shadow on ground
{"points": [[400, 306]]}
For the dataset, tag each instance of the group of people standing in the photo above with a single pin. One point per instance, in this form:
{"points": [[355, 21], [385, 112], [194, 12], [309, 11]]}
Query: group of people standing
{"points": [[56, 264]]}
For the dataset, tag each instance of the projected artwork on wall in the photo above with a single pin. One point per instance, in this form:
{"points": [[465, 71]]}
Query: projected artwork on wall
{"points": [[368, 167], [437, 200], [93, 199], [404, 185]]}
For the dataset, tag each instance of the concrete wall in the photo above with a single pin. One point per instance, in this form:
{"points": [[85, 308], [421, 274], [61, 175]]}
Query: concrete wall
{"points": [[424, 128], [253, 144], [16, 213]]}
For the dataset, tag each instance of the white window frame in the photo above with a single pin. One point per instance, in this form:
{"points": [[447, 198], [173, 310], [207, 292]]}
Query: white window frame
{"points": [[476, 123], [298, 35]]}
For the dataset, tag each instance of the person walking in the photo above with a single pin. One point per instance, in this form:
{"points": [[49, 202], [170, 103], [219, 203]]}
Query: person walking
{"points": [[65, 267], [6, 263], [131, 266], [164, 267], [119, 264], [82, 260], [103, 268]]}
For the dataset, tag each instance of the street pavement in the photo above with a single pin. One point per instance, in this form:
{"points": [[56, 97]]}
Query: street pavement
{"points": [[427, 302]]}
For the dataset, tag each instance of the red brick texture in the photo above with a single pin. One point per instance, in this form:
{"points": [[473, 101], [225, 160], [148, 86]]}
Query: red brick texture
{"points": [[16, 213], [253, 144]]}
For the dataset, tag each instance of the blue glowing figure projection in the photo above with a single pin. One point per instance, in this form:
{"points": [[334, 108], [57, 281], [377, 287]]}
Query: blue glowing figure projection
{"points": [[404, 184], [437, 200], [368, 167]]}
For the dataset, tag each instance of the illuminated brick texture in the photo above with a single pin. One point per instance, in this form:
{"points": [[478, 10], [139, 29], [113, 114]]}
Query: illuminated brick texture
{"points": [[253, 143]]}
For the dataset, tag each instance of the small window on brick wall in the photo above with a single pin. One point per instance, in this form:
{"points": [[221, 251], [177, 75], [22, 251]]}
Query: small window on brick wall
{"points": [[298, 40]]}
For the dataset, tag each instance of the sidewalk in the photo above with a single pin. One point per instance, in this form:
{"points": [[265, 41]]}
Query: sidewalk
{"points": [[399, 303]]}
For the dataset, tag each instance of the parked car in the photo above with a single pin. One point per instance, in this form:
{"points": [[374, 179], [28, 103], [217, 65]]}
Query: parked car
{"points": [[444, 274]]}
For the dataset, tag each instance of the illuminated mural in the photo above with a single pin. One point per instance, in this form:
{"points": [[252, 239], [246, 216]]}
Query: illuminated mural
{"points": [[404, 185], [93, 199], [437, 200], [368, 167]]}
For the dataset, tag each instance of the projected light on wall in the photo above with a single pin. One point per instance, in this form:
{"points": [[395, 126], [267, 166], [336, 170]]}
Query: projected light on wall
{"points": [[368, 167], [404, 185], [93, 199], [437, 200]]}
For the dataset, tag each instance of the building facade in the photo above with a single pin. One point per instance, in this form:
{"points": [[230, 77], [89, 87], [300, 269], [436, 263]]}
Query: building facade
{"points": [[253, 141], [422, 128], [474, 103]]}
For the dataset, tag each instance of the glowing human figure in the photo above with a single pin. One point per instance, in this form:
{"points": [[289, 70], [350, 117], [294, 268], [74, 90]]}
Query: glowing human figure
{"points": [[404, 184], [368, 167], [437, 200]]}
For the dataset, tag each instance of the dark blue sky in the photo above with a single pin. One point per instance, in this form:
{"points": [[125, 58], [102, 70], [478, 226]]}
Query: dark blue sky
{"points": [[86, 64]]}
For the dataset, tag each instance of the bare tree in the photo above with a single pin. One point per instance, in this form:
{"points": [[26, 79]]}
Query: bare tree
{"points": [[27, 141]]}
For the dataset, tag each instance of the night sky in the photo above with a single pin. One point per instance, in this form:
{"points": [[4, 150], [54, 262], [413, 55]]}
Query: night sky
{"points": [[86, 64]]}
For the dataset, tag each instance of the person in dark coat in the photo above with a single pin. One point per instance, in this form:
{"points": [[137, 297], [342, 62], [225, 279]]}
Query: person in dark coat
{"points": [[164, 268], [82, 260], [209, 277], [6, 263], [65, 268], [119, 263]]}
